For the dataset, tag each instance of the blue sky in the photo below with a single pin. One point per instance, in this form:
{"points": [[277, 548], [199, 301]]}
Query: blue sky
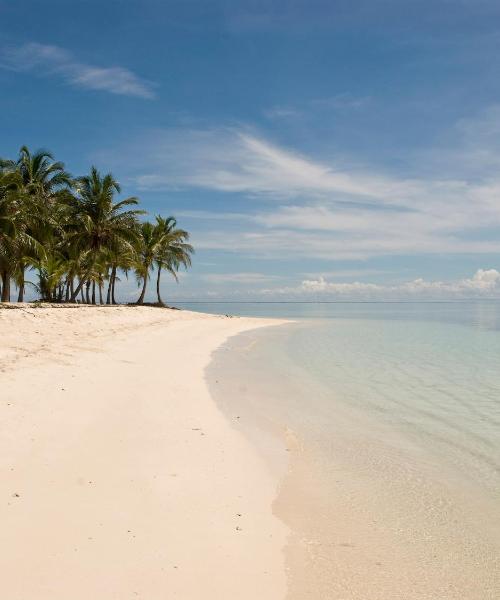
{"points": [[315, 149]]}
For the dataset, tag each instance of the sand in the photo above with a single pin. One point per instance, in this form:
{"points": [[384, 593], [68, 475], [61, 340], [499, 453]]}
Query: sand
{"points": [[120, 478]]}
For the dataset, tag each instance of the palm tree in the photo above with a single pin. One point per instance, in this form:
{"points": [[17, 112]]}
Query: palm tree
{"points": [[75, 236], [16, 242], [148, 248], [51, 273], [164, 245], [41, 175], [99, 221], [40, 180], [174, 251], [8, 230], [119, 257]]}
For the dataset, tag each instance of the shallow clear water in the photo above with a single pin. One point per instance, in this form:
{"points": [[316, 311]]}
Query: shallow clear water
{"points": [[430, 371], [398, 406], [435, 383]]}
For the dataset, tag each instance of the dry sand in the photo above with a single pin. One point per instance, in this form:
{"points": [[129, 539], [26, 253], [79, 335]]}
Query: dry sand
{"points": [[120, 478]]}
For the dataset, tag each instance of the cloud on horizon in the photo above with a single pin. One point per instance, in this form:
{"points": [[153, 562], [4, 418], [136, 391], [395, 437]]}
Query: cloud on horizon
{"points": [[484, 284], [55, 61]]}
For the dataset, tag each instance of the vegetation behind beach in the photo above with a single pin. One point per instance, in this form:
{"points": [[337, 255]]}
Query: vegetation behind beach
{"points": [[76, 237]]}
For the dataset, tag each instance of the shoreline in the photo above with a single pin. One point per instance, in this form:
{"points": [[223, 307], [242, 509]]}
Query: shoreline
{"points": [[121, 477], [370, 515]]}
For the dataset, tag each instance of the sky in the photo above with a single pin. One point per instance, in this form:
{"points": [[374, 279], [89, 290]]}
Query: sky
{"points": [[315, 149]]}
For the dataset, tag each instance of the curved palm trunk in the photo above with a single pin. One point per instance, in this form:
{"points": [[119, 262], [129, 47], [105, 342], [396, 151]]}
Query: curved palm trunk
{"points": [[87, 292], [78, 289], [160, 301], [143, 293], [100, 294], [93, 292]]}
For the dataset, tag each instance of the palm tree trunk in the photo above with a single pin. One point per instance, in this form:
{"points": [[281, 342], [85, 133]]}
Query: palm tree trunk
{"points": [[113, 300], [160, 301], [110, 285], [100, 293], [87, 291], [20, 296], [93, 292], [143, 293], [78, 289], [5, 286]]}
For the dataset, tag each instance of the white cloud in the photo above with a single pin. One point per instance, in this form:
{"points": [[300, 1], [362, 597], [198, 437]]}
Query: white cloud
{"points": [[52, 60], [292, 244], [315, 208], [483, 284], [231, 160]]}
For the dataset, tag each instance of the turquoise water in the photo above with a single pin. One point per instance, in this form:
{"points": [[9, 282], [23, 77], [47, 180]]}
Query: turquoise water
{"points": [[396, 407], [429, 371]]}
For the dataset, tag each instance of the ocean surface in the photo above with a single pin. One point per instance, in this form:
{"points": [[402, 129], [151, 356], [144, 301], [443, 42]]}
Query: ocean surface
{"points": [[392, 414]]}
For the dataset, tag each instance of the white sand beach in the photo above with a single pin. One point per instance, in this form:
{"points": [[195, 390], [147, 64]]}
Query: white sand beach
{"points": [[120, 477]]}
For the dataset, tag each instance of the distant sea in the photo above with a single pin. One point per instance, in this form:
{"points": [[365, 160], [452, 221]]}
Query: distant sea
{"points": [[404, 400]]}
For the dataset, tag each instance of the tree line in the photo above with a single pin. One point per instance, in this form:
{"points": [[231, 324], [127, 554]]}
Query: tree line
{"points": [[74, 235]]}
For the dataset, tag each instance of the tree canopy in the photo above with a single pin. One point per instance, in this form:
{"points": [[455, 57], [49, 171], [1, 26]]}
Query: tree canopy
{"points": [[76, 237]]}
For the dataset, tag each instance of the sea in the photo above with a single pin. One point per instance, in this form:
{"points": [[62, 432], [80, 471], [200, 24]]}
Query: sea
{"points": [[390, 414]]}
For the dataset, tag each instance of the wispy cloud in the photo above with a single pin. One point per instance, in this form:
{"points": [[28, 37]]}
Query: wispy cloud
{"points": [[282, 112], [338, 102], [55, 61], [300, 206], [245, 278], [289, 244], [238, 161]]}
